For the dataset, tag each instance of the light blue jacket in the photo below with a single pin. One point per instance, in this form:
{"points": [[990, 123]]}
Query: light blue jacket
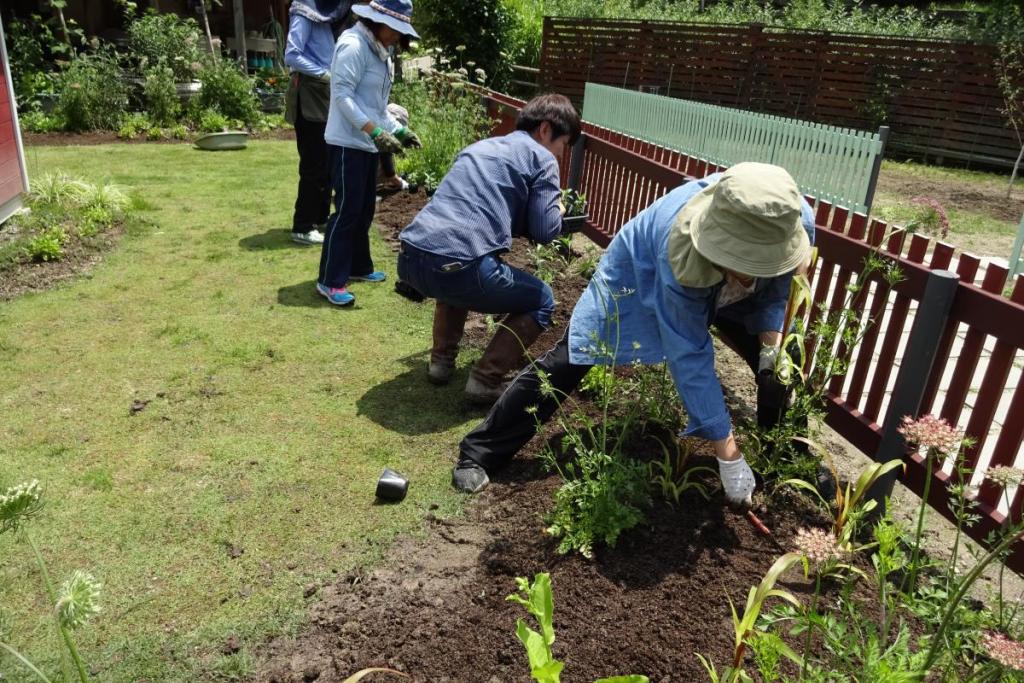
{"points": [[635, 310], [310, 46], [360, 87]]}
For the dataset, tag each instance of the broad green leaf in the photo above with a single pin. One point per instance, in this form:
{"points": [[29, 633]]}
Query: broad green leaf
{"points": [[537, 652], [549, 673]]}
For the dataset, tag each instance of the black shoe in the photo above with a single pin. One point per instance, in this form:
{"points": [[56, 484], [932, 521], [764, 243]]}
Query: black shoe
{"points": [[469, 477]]}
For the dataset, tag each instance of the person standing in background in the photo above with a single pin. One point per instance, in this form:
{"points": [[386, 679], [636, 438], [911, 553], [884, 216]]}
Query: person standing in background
{"points": [[310, 46], [359, 128]]}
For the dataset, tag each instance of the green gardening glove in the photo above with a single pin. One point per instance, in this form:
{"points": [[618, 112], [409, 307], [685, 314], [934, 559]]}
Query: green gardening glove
{"points": [[408, 138], [386, 142]]}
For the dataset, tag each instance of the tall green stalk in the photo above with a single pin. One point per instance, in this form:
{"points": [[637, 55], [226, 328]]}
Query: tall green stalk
{"points": [[62, 630], [810, 629], [934, 647], [915, 556]]}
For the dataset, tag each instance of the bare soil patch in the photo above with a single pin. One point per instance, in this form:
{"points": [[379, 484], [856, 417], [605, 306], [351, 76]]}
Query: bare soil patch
{"points": [[988, 199], [79, 256]]}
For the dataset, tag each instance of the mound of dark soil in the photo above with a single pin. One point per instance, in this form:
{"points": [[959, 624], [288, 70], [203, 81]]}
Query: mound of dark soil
{"points": [[436, 607]]}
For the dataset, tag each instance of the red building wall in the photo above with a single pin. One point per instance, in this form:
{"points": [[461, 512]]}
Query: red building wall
{"points": [[11, 184]]}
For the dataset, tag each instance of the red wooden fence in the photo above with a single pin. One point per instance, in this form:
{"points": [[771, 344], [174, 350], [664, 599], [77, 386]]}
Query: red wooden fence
{"points": [[622, 175], [940, 98]]}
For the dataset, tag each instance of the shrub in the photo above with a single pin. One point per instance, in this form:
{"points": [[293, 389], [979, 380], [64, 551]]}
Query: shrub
{"points": [[447, 117], [226, 90], [93, 93], [480, 27], [167, 40], [48, 245], [161, 96]]}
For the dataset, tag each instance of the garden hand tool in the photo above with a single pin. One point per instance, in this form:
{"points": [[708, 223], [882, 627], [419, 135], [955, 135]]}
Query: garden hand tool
{"points": [[408, 138], [386, 142], [737, 480]]}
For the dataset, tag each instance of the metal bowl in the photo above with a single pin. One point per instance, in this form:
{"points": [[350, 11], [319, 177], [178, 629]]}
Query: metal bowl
{"points": [[215, 142]]}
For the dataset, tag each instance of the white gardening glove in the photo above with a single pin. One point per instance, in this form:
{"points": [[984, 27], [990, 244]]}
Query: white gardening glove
{"points": [[737, 480], [766, 359]]}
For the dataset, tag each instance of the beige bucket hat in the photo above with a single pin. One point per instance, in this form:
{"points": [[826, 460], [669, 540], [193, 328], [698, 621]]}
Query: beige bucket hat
{"points": [[749, 221]]}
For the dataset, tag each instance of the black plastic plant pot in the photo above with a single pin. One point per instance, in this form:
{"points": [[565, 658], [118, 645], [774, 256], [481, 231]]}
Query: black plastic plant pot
{"points": [[391, 486], [571, 224]]}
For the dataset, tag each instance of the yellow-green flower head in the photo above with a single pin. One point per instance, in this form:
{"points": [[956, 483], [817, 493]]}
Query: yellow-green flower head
{"points": [[79, 599]]}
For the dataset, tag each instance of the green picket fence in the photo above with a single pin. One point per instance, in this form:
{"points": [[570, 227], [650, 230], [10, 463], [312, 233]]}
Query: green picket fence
{"points": [[838, 165]]}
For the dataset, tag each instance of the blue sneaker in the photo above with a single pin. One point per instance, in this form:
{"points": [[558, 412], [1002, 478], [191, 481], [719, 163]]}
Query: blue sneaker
{"points": [[336, 295], [375, 276]]}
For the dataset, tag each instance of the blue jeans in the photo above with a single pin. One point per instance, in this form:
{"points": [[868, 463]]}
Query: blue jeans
{"points": [[485, 285]]}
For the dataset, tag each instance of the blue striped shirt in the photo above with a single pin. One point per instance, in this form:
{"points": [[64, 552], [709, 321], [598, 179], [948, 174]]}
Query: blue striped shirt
{"points": [[497, 188]]}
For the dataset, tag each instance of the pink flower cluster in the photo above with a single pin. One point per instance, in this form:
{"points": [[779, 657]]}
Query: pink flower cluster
{"points": [[1005, 476], [818, 546], [1004, 650], [934, 216], [932, 433]]}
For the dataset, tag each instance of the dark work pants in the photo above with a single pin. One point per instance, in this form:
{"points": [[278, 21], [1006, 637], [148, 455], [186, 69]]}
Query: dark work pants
{"points": [[313, 201], [387, 165], [508, 426], [346, 249]]}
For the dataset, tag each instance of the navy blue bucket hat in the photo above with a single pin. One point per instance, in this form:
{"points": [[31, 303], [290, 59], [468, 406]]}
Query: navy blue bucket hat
{"points": [[395, 14]]}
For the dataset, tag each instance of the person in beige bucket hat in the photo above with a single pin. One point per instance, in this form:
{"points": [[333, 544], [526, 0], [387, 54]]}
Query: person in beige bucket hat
{"points": [[715, 252]]}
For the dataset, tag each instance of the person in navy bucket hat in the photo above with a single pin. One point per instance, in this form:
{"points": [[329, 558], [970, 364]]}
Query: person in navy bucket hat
{"points": [[396, 14], [359, 129]]}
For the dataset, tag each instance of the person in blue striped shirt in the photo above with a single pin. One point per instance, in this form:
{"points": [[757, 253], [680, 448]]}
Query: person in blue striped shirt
{"points": [[497, 189]]}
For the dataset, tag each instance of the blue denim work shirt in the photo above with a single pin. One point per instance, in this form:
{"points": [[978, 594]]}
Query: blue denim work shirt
{"points": [[497, 188], [659, 320], [310, 46], [360, 87]]}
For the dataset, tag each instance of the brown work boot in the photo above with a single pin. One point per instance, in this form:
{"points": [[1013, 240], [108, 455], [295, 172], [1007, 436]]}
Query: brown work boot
{"points": [[449, 323], [505, 352]]}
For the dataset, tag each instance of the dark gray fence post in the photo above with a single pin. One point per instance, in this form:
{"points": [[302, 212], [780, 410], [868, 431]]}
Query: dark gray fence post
{"points": [[915, 368], [576, 163], [869, 196]]}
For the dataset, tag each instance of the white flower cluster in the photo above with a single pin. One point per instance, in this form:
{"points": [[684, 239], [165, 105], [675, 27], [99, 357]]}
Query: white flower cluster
{"points": [[18, 503], [79, 599]]}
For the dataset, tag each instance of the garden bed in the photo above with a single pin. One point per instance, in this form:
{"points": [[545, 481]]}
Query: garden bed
{"points": [[105, 137], [436, 607]]}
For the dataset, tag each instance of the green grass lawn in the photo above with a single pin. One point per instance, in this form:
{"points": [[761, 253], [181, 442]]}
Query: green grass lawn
{"points": [[270, 416]]}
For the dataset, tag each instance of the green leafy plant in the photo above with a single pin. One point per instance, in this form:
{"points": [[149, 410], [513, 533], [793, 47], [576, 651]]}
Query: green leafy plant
{"points": [[133, 125], [537, 598], [93, 93], [671, 475], [212, 121], [744, 627], [161, 96], [47, 246], [850, 505], [228, 91], [553, 259], [575, 202]]}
